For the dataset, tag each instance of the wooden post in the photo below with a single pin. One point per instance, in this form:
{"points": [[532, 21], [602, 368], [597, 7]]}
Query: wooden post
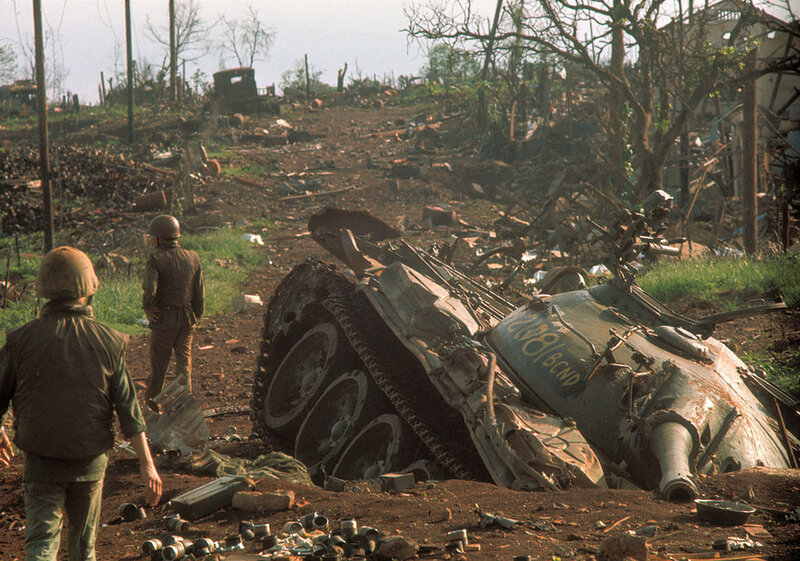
{"points": [[102, 88], [128, 40], [308, 82], [483, 109], [749, 156], [340, 78], [173, 56], [44, 141]]}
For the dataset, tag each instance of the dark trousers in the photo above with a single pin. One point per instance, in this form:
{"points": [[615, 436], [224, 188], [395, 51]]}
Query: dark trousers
{"points": [[45, 506], [162, 344]]}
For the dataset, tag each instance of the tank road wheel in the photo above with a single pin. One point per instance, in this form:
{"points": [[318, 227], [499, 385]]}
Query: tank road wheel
{"points": [[346, 405], [304, 285], [384, 444], [319, 355]]}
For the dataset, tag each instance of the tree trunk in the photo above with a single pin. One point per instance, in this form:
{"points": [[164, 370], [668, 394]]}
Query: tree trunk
{"points": [[651, 175], [615, 118]]}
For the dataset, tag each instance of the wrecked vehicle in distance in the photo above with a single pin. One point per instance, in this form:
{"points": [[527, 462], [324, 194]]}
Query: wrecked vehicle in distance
{"points": [[404, 363]]}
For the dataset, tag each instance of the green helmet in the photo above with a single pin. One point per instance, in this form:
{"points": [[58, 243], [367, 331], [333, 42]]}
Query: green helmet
{"points": [[66, 273], [165, 226]]}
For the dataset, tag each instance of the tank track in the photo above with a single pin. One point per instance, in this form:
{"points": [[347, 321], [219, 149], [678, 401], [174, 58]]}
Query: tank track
{"points": [[314, 284], [282, 327], [340, 304]]}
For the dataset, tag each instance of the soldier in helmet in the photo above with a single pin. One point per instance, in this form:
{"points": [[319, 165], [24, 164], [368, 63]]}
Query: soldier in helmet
{"points": [[65, 374], [173, 300]]}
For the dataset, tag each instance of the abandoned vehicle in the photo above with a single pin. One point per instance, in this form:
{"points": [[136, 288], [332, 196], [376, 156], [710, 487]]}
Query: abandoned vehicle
{"points": [[403, 363]]}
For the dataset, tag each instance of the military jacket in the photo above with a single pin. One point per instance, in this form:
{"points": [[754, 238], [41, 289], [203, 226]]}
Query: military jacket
{"points": [[65, 374], [173, 285]]}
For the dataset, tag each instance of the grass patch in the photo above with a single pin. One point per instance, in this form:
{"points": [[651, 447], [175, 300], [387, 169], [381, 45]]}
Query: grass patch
{"points": [[725, 282], [780, 369], [249, 169], [225, 256]]}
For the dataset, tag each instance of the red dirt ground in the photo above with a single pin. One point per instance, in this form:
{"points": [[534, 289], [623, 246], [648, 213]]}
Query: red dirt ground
{"points": [[553, 524]]}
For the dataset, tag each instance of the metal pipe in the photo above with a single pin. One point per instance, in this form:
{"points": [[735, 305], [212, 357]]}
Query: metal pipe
{"points": [[492, 366], [672, 444]]}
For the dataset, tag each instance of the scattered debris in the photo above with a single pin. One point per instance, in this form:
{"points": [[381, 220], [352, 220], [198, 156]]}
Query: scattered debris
{"points": [[255, 501], [623, 546], [487, 519], [207, 498], [725, 513], [181, 426], [247, 302], [736, 544]]}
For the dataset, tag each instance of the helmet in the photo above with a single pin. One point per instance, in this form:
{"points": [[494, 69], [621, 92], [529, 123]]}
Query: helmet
{"points": [[165, 226], [66, 273]]}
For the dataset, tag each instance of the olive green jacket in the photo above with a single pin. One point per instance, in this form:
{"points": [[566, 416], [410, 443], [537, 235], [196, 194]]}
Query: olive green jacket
{"points": [[65, 374], [173, 286]]}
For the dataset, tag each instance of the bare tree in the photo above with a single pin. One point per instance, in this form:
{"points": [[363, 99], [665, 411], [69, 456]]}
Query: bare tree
{"points": [[8, 62], [191, 32], [247, 39], [621, 30]]}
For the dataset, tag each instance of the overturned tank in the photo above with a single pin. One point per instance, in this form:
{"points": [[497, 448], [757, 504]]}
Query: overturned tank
{"points": [[403, 363]]}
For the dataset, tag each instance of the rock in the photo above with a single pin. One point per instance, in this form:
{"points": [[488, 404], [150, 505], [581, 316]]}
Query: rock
{"points": [[396, 547], [437, 216], [441, 515], [255, 501], [747, 494], [647, 531], [564, 551], [617, 548]]}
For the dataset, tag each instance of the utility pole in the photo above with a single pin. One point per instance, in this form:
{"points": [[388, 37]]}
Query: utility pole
{"points": [[173, 55], [44, 142], [749, 156], [128, 41]]}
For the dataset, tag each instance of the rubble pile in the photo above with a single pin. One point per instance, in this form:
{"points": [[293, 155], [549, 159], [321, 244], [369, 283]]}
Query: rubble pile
{"points": [[85, 179]]}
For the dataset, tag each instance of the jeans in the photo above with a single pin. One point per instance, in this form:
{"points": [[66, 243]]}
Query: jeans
{"points": [[45, 506]]}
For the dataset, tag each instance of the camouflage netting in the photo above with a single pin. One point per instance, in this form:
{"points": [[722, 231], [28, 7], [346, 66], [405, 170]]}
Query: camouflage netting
{"points": [[276, 465]]}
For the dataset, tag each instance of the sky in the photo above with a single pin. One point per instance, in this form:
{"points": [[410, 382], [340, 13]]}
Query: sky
{"points": [[91, 37]]}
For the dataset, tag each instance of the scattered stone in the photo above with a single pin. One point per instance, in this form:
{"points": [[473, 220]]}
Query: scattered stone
{"points": [[564, 551], [748, 495], [396, 547], [256, 501], [441, 515], [647, 531], [617, 548]]}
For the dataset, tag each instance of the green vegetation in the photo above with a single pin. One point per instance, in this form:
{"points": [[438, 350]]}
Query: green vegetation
{"points": [[247, 169], [226, 258], [87, 116], [780, 368], [725, 282], [728, 283]]}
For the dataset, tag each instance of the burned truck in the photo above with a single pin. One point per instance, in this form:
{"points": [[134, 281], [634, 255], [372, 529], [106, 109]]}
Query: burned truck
{"points": [[401, 362], [235, 91]]}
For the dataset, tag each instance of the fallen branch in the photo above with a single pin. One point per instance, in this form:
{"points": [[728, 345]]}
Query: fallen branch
{"points": [[615, 524], [248, 183], [319, 194]]}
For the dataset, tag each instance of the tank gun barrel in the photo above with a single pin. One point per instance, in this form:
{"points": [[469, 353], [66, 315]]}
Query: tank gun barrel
{"points": [[671, 444]]}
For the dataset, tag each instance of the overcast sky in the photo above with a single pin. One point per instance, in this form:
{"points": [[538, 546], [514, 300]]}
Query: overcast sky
{"points": [[91, 36]]}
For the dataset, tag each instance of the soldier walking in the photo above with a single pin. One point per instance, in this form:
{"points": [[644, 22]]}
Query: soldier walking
{"points": [[65, 375], [173, 299]]}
